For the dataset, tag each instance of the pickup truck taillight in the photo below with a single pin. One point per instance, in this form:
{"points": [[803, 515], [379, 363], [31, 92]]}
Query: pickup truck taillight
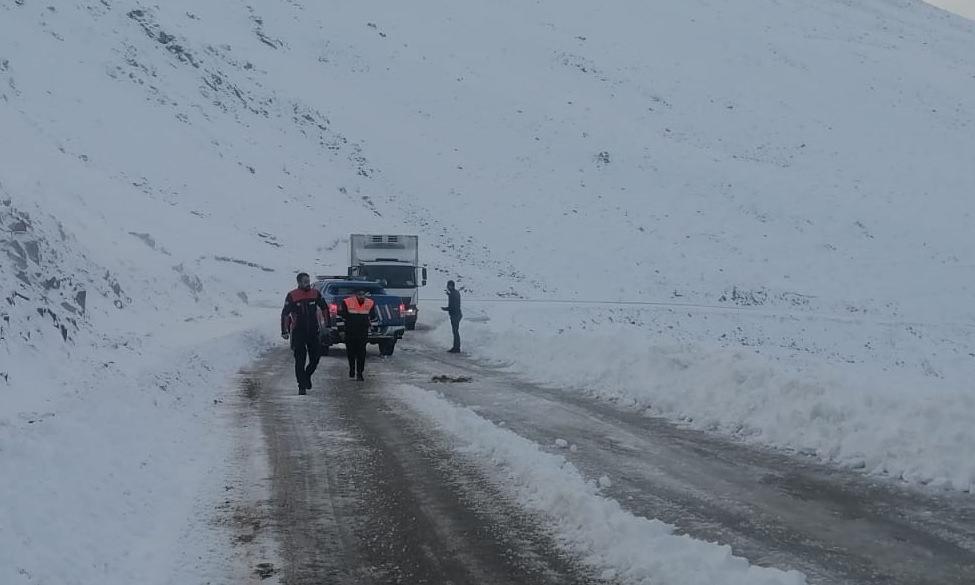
{"points": [[402, 310]]}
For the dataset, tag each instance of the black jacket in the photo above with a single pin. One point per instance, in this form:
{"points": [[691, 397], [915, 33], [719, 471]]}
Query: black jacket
{"points": [[453, 304], [303, 311]]}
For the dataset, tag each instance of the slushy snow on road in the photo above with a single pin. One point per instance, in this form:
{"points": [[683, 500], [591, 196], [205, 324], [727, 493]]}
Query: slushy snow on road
{"points": [[611, 540]]}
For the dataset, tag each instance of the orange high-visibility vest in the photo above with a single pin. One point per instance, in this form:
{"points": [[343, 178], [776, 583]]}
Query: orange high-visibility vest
{"points": [[355, 308]]}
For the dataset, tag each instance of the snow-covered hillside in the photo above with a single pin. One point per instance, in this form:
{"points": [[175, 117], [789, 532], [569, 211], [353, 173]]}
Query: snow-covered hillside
{"points": [[790, 180], [961, 7]]}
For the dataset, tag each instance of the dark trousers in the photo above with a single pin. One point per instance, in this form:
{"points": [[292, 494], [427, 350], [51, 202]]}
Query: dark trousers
{"points": [[306, 347], [455, 325], [355, 348]]}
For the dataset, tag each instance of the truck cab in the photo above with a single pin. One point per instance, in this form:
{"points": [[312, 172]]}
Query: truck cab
{"points": [[392, 260]]}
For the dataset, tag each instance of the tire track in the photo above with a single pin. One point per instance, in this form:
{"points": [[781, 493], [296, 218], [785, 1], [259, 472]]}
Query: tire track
{"points": [[361, 493]]}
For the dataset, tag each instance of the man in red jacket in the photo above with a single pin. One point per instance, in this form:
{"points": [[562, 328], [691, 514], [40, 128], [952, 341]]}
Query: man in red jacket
{"points": [[304, 314]]}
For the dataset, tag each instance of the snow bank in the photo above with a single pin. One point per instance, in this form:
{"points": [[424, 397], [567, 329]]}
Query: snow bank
{"points": [[614, 542], [769, 380], [101, 483]]}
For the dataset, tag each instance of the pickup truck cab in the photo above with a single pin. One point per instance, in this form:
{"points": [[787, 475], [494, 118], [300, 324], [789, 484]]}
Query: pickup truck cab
{"points": [[385, 333]]}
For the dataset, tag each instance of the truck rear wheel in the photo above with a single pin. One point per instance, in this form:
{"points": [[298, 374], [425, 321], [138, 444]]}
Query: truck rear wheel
{"points": [[386, 347]]}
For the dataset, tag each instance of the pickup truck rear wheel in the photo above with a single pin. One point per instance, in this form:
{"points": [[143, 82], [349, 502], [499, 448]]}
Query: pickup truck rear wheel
{"points": [[386, 347]]}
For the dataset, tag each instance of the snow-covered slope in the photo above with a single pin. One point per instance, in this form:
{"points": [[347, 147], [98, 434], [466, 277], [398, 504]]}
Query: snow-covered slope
{"points": [[961, 7], [794, 177]]}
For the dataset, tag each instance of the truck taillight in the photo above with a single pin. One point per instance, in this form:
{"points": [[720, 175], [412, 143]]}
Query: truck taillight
{"points": [[402, 310]]}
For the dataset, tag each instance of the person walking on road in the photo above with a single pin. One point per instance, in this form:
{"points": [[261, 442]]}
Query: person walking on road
{"points": [[302, 319], [359, 313], [453, 309]]}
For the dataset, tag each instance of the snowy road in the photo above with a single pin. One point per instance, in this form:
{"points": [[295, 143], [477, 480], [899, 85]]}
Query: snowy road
{"points": [[360, 495], [366, 490]]}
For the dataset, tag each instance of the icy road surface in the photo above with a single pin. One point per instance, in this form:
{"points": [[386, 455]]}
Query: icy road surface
{"points": [[366, 485], [360, 494]]}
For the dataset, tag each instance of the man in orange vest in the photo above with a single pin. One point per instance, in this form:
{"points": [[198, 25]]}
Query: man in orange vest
{"points": [[304, 315], [359, 313]]}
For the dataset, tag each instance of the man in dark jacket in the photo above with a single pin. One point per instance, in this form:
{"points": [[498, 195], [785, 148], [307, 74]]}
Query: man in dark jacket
{"points": [[453, 309], [359, 313], [305, 313]]}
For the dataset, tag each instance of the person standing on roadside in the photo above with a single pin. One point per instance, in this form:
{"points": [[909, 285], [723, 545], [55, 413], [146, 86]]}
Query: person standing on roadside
{"points": [[453, 310], [304, 315], [359, 313]]}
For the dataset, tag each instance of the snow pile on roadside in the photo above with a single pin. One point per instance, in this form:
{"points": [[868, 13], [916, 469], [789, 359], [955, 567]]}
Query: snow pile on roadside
{"points": [[867, 409], [100, 484], [614, 542], [114, 366]]}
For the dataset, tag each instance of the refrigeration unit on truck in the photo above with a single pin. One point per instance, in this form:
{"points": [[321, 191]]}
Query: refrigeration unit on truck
{"points": [[392, 259]]}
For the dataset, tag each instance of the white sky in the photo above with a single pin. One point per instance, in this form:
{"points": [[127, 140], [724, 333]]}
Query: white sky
{"points": [[963, 7]]}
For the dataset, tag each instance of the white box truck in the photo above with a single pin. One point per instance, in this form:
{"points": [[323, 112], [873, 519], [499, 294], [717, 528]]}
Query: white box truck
{"points": [[394, 260]]}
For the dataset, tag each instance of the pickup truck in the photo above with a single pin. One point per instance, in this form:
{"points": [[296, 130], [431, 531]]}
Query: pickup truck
{"points": [[391, 309]]}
